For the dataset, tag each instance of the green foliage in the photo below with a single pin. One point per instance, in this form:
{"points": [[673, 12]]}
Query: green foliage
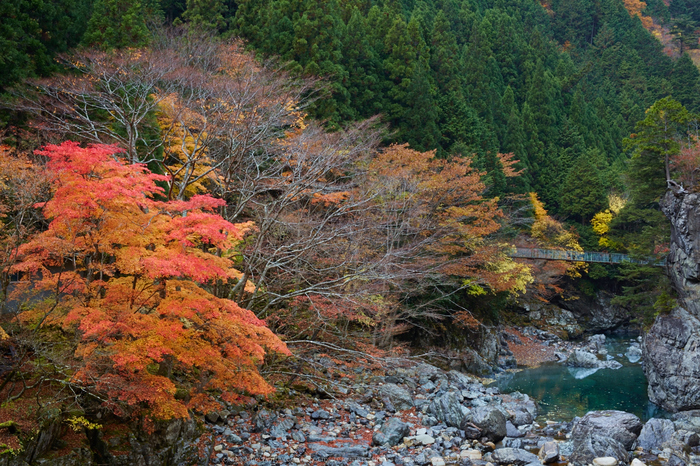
{"points": [[655, 142], [32, 32], [686, 83], [474, 77], [684, 32], [685, 7], [582, 194], [207, 15], [646, 289], [120, 23]]}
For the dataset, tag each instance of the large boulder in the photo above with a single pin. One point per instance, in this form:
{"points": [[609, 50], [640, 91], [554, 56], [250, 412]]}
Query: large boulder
{"points": [[597, 446], [398, 396], [449, 409], [471, 361], [391, 432], [485, 421], [582, 358], [617, 425], [634, 353], [521, 409], [672, 362], [604, 433], [655, 433]]}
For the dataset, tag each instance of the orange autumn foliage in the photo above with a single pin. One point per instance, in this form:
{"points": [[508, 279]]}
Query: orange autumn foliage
{"points": [[129, 274], [635, 8], [442, 212]]}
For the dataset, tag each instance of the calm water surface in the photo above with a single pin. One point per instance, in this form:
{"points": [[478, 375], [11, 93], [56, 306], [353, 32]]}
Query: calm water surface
{"points": [[564, 392]]}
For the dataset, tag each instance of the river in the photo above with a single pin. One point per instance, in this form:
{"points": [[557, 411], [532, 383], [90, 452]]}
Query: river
{"points": [[565, 392]]}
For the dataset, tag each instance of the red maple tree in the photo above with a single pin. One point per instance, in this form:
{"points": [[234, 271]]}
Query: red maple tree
{"points": [[131, 276]]}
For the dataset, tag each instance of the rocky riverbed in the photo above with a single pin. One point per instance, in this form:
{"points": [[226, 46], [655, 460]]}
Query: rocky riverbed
{"points": [[417, 414]]}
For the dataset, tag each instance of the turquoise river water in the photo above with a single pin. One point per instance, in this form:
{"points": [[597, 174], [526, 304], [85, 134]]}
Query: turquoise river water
{"points": [[564, 392]]}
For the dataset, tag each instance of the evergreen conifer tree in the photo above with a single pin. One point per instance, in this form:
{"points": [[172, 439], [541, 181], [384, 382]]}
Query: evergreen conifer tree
{"points": [[119, 23]]}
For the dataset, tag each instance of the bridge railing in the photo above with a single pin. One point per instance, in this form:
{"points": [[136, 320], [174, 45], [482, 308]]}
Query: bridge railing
{"points": [[580, 256]]}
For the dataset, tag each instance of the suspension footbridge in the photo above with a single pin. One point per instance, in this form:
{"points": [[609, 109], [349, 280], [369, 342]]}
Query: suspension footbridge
{"points": [[580, 256]]}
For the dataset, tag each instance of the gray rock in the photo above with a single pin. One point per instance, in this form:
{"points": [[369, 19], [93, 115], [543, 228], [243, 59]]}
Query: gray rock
{"points": [[671, 361], [595, 446], [357, 409], [612, 364], [424, 439], [634, 353], [472, 362], [449, 409], [522, 411], [687, 420], [686, 437], [391, 432], [513, 442], [617, 425], [566, 449], [512, 431], [598, 341], [280, 429], [485, 421], [514, 456], [320, 414], [263, 420], [676, 460], [549, 453], [683, 261], [399, 397], [350, 451], [581, 358], [460, 380], [655, 433], [670, 354], [427, 371], [597, 312]]}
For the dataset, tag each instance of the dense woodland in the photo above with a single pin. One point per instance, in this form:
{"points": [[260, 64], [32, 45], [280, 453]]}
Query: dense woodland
{"points": [[184, 185]]}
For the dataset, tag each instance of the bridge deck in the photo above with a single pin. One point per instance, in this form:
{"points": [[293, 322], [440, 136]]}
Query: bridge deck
{"points": [[577, 256]]}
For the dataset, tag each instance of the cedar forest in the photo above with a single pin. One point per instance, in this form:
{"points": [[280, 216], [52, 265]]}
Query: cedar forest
{"points": [[193, 194]]}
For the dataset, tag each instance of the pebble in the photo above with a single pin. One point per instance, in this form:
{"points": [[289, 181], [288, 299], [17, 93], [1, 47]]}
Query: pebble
{"points": [[425, 439], [605, 461], [474, 455]]}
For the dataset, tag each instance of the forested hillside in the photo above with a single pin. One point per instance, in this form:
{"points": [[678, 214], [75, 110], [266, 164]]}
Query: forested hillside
{"points": [[186, 186], [547, 82]]}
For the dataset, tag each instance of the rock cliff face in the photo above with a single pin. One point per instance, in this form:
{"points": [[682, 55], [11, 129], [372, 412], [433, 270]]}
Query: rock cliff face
{"points": [[671, 356], [683, 210], [596, 314]]}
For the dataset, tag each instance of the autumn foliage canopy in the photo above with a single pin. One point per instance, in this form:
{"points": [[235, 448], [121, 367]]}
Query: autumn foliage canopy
{"points": [[132, 277]]}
